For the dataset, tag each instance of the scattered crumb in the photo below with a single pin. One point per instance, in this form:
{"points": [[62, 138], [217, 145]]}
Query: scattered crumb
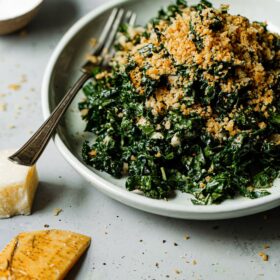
{"points": [[93, 42], [187, 237], [46, 226], [3, 107], [84, 112], [264, 256], [14, 86], [92, 58], [163, 241], [194, 262], [177, 271], [175, 244], [266, 246], [57, 211], [157, 264], [11, 126]]}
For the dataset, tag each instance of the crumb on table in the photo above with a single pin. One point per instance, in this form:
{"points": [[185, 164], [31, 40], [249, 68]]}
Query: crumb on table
{"points": [[57, 211], [264, 256]]}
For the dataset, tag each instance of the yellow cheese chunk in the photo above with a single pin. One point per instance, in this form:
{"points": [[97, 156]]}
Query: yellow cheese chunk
{"points": [[18, 185], [42, 255]]}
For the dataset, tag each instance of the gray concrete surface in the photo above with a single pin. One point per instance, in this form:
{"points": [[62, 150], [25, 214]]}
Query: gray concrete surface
{"points": [[127, 243]]}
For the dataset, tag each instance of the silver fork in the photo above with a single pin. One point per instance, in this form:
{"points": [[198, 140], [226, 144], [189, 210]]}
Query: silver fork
{"points": [[30, 152]]}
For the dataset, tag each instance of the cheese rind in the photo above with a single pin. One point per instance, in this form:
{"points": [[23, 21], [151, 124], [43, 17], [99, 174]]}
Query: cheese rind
{"points": [[18, 185], [44, 255]]}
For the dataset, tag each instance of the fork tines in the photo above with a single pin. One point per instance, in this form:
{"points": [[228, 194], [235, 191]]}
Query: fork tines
{"points": [[107, 38]]}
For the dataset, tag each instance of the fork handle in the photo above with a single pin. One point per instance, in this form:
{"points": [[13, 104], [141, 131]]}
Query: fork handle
{"points": [[29, 153]]}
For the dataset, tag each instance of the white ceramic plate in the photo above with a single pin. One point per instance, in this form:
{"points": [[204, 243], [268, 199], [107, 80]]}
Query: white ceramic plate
{"points": [[63, 70]]}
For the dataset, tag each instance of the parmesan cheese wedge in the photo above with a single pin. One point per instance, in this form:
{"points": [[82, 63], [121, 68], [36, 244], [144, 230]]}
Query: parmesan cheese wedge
{"points": [[18, 185], [42, 255]]}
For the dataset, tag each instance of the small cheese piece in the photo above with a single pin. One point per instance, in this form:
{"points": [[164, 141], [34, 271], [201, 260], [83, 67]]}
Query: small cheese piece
{"points": [[44, 255], [18, 185]]}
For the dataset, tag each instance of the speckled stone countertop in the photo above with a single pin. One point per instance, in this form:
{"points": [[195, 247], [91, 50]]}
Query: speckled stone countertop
{"points": [[127, 243]]}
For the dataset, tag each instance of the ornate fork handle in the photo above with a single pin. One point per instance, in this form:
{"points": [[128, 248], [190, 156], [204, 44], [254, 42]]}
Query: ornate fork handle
{"points": [[31, 150]]}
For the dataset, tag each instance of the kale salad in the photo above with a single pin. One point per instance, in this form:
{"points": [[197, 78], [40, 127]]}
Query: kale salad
{"points": [[191, 103]]}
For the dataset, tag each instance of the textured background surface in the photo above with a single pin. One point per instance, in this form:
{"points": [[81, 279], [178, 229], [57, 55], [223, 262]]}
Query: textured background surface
{"points": [[127, 244]]}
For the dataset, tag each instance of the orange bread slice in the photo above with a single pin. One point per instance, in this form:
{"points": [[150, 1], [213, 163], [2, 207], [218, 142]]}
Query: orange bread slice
{"points": [[42, 255]]}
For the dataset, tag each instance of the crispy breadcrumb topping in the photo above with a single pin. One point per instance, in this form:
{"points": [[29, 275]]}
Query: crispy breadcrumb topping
{"points": [[232, 55]]}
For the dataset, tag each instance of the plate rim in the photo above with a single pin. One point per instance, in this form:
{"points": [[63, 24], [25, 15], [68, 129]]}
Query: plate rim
{"points": [[160, 207]]}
